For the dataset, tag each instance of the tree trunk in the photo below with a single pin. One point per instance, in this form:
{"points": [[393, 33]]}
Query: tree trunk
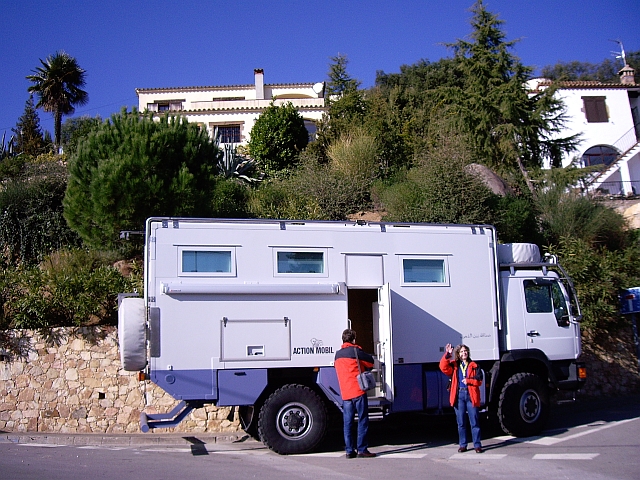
{"points": [[526, 178], [57, 118]]}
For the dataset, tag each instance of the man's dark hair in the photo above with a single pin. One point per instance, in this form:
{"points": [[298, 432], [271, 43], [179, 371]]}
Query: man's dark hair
{"points": [[348, 336]]}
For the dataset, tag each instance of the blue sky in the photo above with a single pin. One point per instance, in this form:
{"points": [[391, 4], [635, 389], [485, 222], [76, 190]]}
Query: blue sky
{"points": [[124, 45]]}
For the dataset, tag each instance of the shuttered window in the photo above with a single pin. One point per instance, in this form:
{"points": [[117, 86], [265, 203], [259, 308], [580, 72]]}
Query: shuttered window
{"points": [[595, 109]]}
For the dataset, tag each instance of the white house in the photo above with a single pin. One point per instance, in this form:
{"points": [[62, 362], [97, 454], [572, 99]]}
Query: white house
{"points": [[607, 117], [233, 109]]}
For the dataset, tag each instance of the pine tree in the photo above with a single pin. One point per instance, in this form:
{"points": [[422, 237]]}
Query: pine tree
{"points": [[340, 82], [29, 139], [510, 128], [130, 168]]}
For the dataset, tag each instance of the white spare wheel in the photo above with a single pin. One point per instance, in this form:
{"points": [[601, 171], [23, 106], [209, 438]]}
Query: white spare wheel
{"points": [[132, 334]]}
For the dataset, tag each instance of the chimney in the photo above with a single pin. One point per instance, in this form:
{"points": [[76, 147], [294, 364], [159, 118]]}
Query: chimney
{"points": [[627, 75], [259, 76]]}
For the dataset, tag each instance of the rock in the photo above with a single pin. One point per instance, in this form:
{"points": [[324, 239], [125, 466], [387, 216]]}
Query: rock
{"points": [[489, 178]]}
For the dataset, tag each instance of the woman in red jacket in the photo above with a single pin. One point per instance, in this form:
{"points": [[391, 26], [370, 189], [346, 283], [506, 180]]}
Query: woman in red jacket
{"points": [[464, 395]]}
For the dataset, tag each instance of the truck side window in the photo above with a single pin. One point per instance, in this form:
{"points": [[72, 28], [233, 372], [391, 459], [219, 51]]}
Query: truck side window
{"points": [[546, 297], [423, 270], [203, 261], [300, 262], [537, 297], [560, 309]]}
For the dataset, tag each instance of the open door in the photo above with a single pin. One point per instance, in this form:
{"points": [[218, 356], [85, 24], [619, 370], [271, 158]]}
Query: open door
{"points": [[382, 342]]}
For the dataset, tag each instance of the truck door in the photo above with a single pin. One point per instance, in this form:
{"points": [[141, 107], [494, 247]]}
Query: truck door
{"points": [[382, 341], [548, 324]]}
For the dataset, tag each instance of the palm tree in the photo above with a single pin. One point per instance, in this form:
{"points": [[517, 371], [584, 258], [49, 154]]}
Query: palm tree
{"points": [[58, 85]]}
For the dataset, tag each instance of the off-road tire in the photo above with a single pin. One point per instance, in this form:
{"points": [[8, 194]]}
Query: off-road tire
{"points": [[523, 406], [292, 420]]}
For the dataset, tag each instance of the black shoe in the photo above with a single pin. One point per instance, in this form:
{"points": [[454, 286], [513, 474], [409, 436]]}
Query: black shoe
{"points": [[353, 454], [479, 450], [462, 449], [366, 454]]}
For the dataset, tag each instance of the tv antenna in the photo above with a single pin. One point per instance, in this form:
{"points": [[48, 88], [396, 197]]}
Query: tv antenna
{"points": [[621, 53]]}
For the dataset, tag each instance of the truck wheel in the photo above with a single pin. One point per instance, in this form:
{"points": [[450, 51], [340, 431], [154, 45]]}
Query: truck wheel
{"points": [[524, 405], [292, 420]]}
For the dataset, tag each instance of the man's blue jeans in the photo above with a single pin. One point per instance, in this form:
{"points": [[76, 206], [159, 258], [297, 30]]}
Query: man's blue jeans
{"points": [[466, 407], [349, 408]]}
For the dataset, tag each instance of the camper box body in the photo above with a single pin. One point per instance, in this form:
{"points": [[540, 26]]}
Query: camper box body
{"points": [[251, 312]]}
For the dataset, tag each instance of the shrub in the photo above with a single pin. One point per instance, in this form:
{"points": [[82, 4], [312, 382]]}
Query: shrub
{"points": [[439, 191], [229, 199], [599, 275], [277, 138], [276, 199], [31, 215], [516, 220], [69, 288]]}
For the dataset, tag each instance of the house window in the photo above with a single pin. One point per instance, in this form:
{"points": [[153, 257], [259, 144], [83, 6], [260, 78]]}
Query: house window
{"points": [[599, 155], [300, 262], [206, 261], [421, 271], [312, 130], [595, 109], [229, 133], [168, 106]]}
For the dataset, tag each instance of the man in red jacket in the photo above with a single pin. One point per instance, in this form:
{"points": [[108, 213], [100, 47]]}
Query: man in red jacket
{"points": [[354, 399]]}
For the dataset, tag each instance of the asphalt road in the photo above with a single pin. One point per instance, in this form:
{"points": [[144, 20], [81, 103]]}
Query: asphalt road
{"points": [[587, 441]]}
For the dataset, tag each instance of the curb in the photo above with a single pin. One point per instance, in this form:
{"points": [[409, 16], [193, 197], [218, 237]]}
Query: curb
{"points": [[93, 439]]}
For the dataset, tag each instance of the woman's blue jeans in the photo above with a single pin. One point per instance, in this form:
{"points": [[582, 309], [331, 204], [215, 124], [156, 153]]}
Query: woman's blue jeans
{"points": [[466, 407], [349, 408]]}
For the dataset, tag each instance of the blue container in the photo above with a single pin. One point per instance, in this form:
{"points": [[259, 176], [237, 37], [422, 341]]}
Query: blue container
{"points": [[630, 301]]}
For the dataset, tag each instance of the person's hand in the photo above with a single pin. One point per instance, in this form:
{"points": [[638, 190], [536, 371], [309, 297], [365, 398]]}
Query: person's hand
{"points": [[449, 348], [464, 380]]}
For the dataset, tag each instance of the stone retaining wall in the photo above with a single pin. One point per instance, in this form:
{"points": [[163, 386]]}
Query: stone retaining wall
{"points": [[71, 382]]}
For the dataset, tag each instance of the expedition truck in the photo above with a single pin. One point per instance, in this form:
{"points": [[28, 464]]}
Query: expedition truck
{"points": [[250, 313]]}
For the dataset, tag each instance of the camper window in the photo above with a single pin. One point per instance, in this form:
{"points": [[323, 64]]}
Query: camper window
{"points": [[206, 262], [300, 263], [424, 271]]}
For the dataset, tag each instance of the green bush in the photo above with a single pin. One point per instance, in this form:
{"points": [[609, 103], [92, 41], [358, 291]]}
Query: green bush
{"points": [[599, 276], [277, 138], [575, 216], [229, 199], [69, 288], [276, 199], [516, 220], [31, 215], [439, 191]]}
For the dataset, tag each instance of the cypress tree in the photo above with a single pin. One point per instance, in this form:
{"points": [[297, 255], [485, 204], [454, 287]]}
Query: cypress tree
{"points": [[29, 139]]}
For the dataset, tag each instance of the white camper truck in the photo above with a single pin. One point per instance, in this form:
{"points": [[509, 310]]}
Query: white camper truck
{"points": [[250, 313]]}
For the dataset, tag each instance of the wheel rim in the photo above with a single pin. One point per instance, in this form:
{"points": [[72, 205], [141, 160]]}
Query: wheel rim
{"points": [[530, 406], [294, 421]]}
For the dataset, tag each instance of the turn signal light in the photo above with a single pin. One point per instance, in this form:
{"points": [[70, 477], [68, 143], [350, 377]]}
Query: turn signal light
{"points": [[582, 373]]}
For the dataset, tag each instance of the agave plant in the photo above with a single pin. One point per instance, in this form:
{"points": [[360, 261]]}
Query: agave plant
{"points": [[233, 164], [7, 149]]}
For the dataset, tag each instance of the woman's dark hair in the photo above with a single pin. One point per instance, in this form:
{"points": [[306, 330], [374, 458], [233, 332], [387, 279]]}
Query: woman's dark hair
{"points": [[456, 352]]}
